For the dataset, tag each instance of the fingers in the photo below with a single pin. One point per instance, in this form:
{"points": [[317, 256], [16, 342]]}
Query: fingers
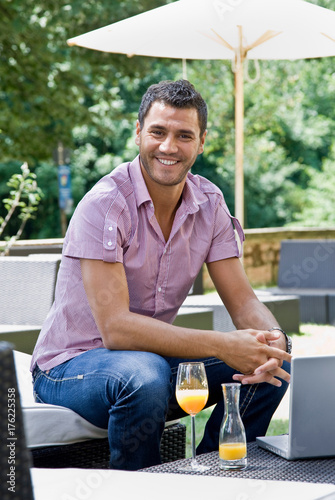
{"points": [[274, 352], [252, 351], [266, 337], [265, 373], [271, 365], [272, 335], [257, 379], [278, 372], [270, 339], [277, 341], [284, 375]]}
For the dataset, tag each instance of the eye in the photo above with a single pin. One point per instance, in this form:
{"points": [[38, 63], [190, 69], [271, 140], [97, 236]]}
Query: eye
{"points": [[157, 133]]}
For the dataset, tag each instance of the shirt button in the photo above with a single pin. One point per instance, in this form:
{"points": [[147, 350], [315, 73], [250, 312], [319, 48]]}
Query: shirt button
{"points": [[110, 228], [159, 289], [109, 243]]}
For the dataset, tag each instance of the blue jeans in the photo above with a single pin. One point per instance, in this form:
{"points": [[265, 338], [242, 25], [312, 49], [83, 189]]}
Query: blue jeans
{"points": [[132, 394]]}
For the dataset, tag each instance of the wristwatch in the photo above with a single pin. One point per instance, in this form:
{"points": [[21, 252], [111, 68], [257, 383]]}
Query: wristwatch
{"points": [[288, 339]]}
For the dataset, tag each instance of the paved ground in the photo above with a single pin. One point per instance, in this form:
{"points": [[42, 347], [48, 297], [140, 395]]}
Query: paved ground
{"points": [[317, 340]]}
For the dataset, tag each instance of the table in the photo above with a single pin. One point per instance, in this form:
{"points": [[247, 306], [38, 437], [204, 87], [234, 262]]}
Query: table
{"points": [[8, 329], [262, 465], [266, 477], [285, 308], [23, 337], [95, 484]]}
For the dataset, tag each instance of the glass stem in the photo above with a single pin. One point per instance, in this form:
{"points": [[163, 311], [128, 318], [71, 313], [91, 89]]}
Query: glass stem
{"points": [[193, 438]]}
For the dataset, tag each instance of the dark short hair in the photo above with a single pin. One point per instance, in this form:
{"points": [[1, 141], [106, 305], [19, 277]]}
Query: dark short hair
{"points": [[178, 94]]}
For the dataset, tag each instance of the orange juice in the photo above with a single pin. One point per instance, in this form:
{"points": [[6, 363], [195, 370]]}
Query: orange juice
{"points": [[232, 451], [192, 400]]}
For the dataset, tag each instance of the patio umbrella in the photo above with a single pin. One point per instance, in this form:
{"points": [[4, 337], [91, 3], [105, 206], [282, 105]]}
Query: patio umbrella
{"points": [[223, 29]]}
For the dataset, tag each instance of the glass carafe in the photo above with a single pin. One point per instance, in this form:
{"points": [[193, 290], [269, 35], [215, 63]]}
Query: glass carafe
{"points": [[232, 441]]}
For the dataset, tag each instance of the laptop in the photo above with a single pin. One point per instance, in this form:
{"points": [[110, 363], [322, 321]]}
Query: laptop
{"points": [[311, 413]]}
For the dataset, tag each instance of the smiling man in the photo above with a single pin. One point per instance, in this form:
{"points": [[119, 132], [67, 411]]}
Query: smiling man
{"points": [[135, 244], [169, 140], [169, 137]]}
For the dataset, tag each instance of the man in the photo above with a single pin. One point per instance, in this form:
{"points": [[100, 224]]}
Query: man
{"points": [[134, 246]]}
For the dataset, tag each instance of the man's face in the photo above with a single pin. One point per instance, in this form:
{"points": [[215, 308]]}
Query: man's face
{"points": [[169, 143]]}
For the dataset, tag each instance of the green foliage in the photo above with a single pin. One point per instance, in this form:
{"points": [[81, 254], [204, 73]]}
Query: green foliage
{"points": [[47, 225], [97, 152], [24, 196], [318, 205], [277, 427], [200, 423], [46, 87], [289, 130], [89, 100]]}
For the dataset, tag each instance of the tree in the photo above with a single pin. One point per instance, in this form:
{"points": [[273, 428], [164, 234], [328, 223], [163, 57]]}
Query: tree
{"points": [[24, 197], [89, 100], [319, 197], [50, 92], [47, 88]]}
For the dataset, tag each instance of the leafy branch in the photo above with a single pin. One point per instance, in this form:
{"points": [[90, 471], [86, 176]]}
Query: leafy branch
{"points": [[25, 196]]}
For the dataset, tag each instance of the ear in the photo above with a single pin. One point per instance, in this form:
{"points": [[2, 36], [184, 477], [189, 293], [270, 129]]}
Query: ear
{"points": [[202, 143], [138, 131]]}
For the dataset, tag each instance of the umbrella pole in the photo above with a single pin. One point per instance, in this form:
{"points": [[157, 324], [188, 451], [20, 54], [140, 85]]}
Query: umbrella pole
{"points": [[239, 135]]}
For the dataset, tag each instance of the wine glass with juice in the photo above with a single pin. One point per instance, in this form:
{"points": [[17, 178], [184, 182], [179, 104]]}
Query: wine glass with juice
{"points": [[192, 395]]}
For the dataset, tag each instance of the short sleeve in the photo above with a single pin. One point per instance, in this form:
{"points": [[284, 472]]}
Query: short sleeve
{"points": [[98, 228], [226, 241]]}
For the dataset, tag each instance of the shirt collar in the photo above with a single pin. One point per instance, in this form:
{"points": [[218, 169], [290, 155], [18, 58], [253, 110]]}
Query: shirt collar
{"points": [[192, 194], [140, 188]]}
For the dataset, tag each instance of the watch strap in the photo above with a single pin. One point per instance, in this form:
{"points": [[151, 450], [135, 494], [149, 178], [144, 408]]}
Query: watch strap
{"points": [[288, 339]]}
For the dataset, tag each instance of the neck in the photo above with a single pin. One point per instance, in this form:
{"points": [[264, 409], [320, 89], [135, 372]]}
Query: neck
{"points": [[165, 211], [166, 200]]}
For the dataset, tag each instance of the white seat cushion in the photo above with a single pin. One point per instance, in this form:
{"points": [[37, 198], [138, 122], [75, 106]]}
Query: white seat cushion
{"points": [[51, 425], [45, 424]]}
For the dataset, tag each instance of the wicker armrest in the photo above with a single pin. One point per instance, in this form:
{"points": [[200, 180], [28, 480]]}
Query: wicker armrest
{"points": [[94, 453]]}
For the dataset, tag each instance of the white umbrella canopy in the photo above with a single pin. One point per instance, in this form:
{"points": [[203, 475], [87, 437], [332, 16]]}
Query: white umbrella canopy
{"points": [[223, 29]]}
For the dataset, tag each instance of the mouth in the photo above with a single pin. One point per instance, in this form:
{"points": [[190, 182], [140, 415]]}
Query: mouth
{"points": [[168, 163]]}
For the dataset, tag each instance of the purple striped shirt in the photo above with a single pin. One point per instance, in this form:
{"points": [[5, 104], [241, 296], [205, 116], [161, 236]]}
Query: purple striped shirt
{"points": [[115, 222]]}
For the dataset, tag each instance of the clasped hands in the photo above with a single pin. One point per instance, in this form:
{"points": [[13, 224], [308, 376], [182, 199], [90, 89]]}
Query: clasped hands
{"points": [[271, 369]]}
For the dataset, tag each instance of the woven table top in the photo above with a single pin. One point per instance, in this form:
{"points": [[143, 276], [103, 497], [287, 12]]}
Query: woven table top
{"points": [[262, 465]]}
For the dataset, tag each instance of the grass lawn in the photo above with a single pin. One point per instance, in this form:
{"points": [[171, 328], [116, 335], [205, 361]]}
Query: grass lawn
{"points": [[276, 427]]}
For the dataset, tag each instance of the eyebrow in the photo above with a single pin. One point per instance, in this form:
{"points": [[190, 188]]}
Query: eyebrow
{"points": [[180, 131]]}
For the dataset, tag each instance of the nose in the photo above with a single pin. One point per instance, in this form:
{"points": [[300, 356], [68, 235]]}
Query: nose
{"points": [[168, 145]]}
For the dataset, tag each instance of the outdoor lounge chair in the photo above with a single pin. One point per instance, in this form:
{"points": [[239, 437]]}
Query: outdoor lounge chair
{"points": [[59, 437], [56, 436], [27, 288], [15, 461], [307, 270]]}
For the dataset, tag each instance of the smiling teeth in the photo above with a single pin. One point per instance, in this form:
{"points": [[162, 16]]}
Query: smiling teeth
{"points": [[168, 162]]}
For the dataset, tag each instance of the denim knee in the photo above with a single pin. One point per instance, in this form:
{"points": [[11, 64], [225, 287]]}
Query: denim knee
{"points": [[149, 380]]}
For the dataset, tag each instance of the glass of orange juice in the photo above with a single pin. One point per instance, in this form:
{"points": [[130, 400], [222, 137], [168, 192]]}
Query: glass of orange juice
{"points": [[232, 440], [192, 395]]}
